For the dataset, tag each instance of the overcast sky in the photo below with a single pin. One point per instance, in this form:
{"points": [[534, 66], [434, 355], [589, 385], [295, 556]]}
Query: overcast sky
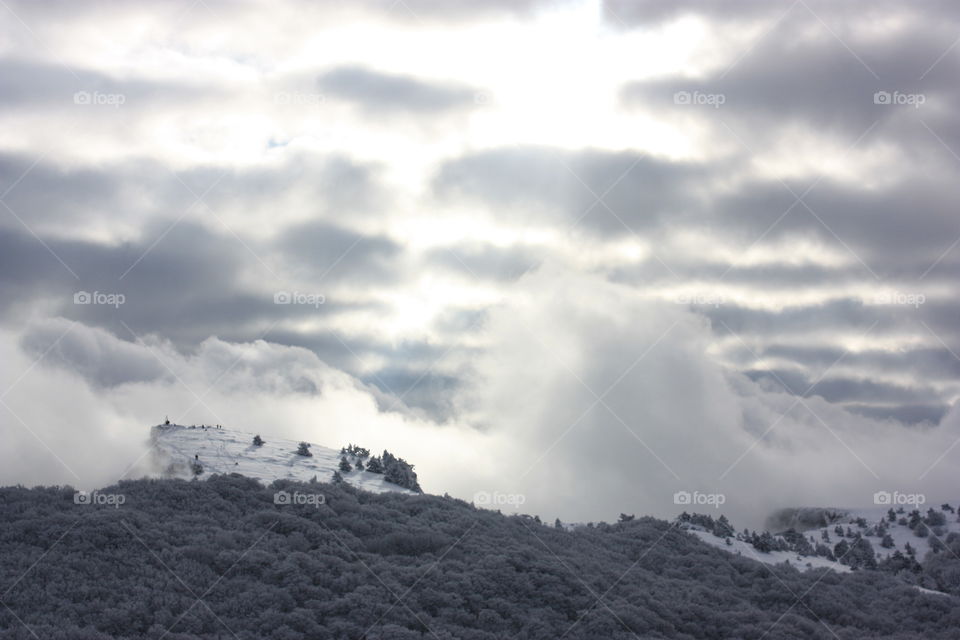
{"points": [[592, 253]]}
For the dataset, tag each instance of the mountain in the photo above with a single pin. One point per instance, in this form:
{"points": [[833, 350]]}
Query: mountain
{"points": [[177, 448], [224, 558]]}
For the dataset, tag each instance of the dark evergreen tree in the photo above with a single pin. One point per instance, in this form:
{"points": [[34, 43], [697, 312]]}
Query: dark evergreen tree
{"points": [[374, 465], [840, 551], [344, 465], [303, 449], [258, 441], [723, 528]]}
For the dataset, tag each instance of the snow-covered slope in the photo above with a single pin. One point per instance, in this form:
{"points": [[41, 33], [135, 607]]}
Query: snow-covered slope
{"points": [[222, 450], [741, 548], [865, 521], [901, 534]]}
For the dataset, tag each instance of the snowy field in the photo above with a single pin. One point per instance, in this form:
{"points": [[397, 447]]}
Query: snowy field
{"points": [[229, 451]]}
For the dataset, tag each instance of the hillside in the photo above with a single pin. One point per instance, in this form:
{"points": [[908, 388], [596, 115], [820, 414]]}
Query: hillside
{"points": [[222, 558], [920, 546], [223, 450]]}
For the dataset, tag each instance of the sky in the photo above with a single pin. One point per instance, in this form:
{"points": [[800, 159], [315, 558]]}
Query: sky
{"points": [[578, 255]]}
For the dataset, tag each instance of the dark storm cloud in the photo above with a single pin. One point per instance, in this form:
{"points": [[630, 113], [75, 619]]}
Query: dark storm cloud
{"points": [[852, 315], [900, 230], [835, 388], [327, 252], [172, 274], [864, 396], [45, 194], [800, 76], [605, 191], [640, 12], [788, 80], [379, 93]]}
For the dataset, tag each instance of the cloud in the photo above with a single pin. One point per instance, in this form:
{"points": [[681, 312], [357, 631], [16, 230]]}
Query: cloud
{"points": [[378, 93], [668, 419], [94, 428], [588, 400], [604, 191], [325, 250], [57, 198], [475, 260], [646, 12]]}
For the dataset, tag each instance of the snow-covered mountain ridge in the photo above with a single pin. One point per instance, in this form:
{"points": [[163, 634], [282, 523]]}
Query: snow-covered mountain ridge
{"points": [[177, 448]]}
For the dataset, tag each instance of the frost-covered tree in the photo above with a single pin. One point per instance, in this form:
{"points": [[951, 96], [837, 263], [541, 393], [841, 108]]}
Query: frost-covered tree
{"points": [[345, 465], [374, 465], [723, 528]]}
